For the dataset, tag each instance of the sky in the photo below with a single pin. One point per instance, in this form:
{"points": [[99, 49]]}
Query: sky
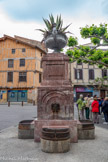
{"points": [[22, 17]]}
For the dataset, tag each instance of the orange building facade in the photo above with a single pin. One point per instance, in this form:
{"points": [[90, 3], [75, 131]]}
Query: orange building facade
{"points": [[20, 68]]}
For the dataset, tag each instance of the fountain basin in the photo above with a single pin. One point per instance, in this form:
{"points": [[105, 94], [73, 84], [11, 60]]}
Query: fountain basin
{"points": [[86, 130], [26, 129], [55, 139]]}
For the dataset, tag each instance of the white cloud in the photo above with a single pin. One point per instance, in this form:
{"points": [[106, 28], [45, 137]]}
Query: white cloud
{"points": [[23, 28], [26, 29]]}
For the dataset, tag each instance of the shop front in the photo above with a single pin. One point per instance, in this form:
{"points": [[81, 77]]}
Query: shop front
{"points": [[84, 91], [17, 95], [3, 96]]}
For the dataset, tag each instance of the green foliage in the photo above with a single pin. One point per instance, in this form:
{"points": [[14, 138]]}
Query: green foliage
{"points": [[85, 32], [85, 48], [86, 54], [100, 66], [105, 54], [61, 50], [72, 41], [50, 24], [69, 52], [93, 30], [95, 40], [105, 60], [100, 83]]}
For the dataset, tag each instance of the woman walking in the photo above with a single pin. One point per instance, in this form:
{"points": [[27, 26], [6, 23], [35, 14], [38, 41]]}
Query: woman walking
{"points": [[95, 110]]}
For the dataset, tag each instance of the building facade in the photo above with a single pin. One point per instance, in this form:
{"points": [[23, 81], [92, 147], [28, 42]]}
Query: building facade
{"points": [[82, 75], [20, 68]]}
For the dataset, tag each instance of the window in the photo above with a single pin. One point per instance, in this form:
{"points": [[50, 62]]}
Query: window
{"points": [[104, 73], [91, 74], [22, 94], [23, 49], [13, 51], [12, 94], [40, 78], [41, 54], [22, 62], [22, 76], [40, 64], [10, 63], [10, 76], [78, 74]]}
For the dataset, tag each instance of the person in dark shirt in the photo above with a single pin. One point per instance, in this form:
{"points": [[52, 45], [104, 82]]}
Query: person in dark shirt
{"points": [[105, 110]]}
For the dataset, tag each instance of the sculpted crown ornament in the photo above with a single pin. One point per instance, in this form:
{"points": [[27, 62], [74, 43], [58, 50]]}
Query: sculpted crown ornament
{"points": [[55, 35]]}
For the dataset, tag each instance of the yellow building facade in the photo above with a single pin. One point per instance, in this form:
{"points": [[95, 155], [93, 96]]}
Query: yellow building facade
{"points": [[20, 68]]}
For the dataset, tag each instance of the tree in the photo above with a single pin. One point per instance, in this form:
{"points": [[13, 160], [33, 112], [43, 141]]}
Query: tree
{"points": [[99, 37], [100, 83]]}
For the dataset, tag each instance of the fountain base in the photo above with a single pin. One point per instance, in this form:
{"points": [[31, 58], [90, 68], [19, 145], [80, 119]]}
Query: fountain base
{"points": [[39, 124]]}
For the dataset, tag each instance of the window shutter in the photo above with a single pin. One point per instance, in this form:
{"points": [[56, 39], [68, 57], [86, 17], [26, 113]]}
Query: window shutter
{"points": [[104, 73], [81, 74], [75, 72], [91, 74], [10, 76]]}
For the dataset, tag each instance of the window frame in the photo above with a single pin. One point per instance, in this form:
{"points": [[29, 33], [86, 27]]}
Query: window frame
{"points": [[10, 65], [80, 74], [40, 77], [13, 50], [91, 75], [22, 80], [21, 64], [103, 72], [9, 80], [41, 54], [23, 50]]}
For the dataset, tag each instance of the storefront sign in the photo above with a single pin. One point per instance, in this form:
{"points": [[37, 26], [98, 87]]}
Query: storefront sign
{"points": [[84, 89]]}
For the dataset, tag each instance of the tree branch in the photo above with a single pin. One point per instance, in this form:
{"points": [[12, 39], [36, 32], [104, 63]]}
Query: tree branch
{"points": [[91, 61]]}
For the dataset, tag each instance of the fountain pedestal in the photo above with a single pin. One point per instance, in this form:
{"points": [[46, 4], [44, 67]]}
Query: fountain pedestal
{"points": [[55, 96], [55, 88]]}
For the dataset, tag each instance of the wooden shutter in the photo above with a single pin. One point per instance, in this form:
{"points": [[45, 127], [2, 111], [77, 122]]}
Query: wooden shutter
{"points": [[81, 74], [10, 77], [104, 72], [75, 72], [91, 73]]}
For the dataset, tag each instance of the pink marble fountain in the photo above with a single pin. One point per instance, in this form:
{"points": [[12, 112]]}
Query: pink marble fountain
{"points": [[55, 96]]}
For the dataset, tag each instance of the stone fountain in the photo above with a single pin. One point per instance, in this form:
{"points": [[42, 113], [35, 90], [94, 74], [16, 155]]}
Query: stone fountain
{"points": [[55, 126], [55, 95]]}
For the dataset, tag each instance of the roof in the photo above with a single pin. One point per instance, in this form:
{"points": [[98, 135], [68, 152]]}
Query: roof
{"points": [[29, 42]]}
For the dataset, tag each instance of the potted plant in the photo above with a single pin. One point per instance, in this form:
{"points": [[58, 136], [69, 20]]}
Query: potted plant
{"points": [[54, 35]]}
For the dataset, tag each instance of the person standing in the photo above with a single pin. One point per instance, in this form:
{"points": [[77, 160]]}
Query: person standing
{"points": [[105, 110], [95, 110], [80, 108], [91, 100], [87, 100], [100, 105]]}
